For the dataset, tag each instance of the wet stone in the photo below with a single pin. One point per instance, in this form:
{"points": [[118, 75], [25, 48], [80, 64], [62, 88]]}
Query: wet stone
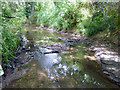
{"points": [[55, 47], [109, 61]]}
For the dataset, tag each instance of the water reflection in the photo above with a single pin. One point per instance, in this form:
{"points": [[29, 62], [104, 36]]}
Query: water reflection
{"points": [[64, 68], [47, 61], [59, 69]]}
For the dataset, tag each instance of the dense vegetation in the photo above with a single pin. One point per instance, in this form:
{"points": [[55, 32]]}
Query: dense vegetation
{"points": [[11, 25], [88, 18]]}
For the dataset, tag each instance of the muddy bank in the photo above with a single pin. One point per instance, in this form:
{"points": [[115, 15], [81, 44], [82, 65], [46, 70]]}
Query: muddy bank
{"points": [[23, 56]]}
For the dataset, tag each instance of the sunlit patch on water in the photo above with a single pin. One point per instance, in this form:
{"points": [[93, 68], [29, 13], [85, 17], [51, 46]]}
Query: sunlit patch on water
{"points": [[47, 61]]}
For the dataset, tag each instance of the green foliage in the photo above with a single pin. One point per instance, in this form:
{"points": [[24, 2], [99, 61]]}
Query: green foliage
{"points": [[11, 25], [10, 38], [102, 19], [88, 18], [56, 15], [13, 9], [29, 8]]}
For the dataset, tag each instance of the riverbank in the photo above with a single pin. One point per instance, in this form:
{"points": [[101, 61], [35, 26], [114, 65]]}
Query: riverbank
{"points": [[22, 57]]}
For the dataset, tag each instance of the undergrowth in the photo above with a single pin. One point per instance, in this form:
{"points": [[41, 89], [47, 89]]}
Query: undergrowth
{"points": [[88, 18]]}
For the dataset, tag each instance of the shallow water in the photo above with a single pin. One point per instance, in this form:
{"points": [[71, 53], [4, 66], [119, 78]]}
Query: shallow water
{"points": [[56, 70]]}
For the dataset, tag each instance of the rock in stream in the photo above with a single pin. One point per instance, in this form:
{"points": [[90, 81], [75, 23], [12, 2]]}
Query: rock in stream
{"points": [[109, 61]]}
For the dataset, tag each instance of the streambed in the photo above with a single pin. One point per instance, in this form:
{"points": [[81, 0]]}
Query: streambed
{"points": [[58, 64]]}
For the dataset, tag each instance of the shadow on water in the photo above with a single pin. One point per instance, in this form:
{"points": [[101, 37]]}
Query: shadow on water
{"points": [[60, 69]]}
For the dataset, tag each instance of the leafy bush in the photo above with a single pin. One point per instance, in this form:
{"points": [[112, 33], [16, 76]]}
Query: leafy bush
{"points": [[56, 15], [10, 38], [88, 18], [11, 26]]}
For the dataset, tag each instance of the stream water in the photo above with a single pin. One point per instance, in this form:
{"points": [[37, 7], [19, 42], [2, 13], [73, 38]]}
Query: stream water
{"points": [[59, 70]]}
